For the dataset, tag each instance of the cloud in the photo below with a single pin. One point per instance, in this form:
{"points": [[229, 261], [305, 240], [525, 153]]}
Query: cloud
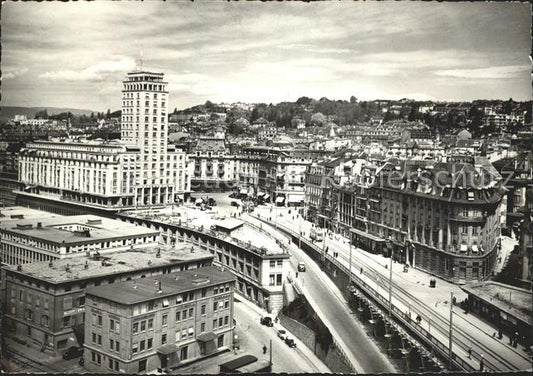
{"points": [[502, 72], [10, 73], [96, 72]]}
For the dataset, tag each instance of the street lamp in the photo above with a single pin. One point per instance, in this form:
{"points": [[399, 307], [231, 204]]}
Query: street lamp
{"points": [[451, 328], [391, 249]]}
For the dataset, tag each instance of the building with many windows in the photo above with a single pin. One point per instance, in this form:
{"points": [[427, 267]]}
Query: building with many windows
{"points": [[34, 239], [144, 325], [141, 170], [45, 301], [440, 217]]}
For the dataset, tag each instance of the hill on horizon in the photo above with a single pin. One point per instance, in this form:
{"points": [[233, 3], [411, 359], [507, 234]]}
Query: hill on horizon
{"points": [[9, 112]]}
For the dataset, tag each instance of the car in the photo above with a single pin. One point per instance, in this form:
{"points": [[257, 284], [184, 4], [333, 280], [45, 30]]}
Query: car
{"points": [[282, 334], [290, 342], [234, 203], [267, 321], [301, 267], [73, 352]]}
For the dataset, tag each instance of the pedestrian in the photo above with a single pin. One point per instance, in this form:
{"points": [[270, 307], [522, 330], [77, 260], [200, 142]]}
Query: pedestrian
{"points": [[494, 335], [361, 270], [500, 335], [470, 352], [264, 349], [481, 363], [296, 274]]}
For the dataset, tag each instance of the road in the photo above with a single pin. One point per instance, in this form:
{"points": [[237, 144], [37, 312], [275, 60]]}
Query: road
{"points": [[410, 292], [253, 337], [332, 308]]}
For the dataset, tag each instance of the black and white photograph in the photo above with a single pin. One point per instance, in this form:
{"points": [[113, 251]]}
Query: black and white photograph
{"points": [[277, 187]]}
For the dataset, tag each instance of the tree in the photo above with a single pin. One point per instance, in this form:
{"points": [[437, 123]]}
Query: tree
{"points": [[353, 100], [108, 114], [508, 106], [318, 119]]}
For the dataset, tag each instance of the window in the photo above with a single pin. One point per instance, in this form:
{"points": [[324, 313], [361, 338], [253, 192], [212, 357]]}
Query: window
{"points": [[110, 363], [178, 316], [184, 352], [142, 365], [164, 320], [226, 302], [202, 309], [135, 348], [202, 327], [135, 327], [66, 321], [220, 321], [177, 336], [117, 346], [163, 339], [215, 305], [214, 323], [149, 343], [99, 340], [191, 312], [150, 323], [142, 345], [111, 345], [226, 320], [191, 331], [204, 293], [143, 325], [220, 341], [94, 338], [67, 303], [111, 325], [100, 320]]}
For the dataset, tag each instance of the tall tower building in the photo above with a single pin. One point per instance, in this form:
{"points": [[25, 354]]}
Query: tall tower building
{"points": [[141, 170]]}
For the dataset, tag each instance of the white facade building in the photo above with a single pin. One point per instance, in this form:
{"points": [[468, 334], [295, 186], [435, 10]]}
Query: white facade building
{"points": [[142, 170]]}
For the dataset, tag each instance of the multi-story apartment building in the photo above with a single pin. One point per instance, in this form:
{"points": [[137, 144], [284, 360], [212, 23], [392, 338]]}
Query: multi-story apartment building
{"points": [[141, 326], [27, 240], [141, 170], [440, 217], [261, 271], [213, 166], [45, 301]]}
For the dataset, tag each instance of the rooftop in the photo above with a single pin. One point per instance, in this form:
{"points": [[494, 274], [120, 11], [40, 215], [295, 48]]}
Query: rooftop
{"points": [[115, 263], [20, 212], [100, 228], [205, 221], [510, 299], [146, 289]]}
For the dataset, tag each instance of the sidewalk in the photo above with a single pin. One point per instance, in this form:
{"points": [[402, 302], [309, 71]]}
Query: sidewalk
{"points": [[414, 282], [307, 352]]}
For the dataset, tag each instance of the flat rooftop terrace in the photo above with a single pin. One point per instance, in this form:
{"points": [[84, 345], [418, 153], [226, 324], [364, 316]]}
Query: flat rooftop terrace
{"points": [[115, 263], [100, 229], [145, 289], [513, 300], [8, 213], [208, 220]]}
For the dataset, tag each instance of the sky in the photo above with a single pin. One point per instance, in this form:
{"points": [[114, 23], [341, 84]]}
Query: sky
{"points": [[77, 54]]}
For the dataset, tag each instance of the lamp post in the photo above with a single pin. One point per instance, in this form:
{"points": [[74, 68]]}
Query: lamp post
{"points": [[450, 354], [350, 262], [389, 244]]}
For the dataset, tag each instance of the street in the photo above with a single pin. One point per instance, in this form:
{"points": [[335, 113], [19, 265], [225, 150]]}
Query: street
{"points": [[411, 293]]}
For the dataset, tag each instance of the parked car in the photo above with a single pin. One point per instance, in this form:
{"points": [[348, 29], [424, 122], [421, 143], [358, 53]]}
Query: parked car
{"points": [[81, 361], [234, 203], [290, 342], [267, 321], [73, 352], [211, 201], [301, 267], [282, 334]]}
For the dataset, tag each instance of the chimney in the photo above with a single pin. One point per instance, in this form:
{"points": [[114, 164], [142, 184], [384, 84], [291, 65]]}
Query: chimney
{"points": [[159, 289], [158, 254], [192, 249], [67, 268]]}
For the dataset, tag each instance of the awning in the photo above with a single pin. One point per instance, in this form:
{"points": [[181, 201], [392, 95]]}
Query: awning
{"points": [[280, 175], [167, 349], [260, 194], [199, 201], [243, 191], [463, 248], [279, 200], [475, 249], [266, 197], [206, 337], [295, 198]]}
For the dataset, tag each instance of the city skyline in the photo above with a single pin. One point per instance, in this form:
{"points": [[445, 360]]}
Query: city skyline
{"points": [[263, 52]]}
